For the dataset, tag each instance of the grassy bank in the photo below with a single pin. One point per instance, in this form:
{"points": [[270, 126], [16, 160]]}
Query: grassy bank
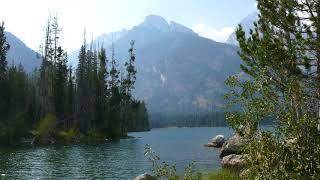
{"points": [[222, 174]]}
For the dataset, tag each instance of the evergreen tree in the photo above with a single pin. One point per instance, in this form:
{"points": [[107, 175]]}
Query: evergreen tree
{"points": [[81, 89], [282, 58], [60, 84], [4, 47], [114, 126], [93, 81], [127, 85], [18, 104], [102, 91], [131, 72], [70, 98], [46, 94]]}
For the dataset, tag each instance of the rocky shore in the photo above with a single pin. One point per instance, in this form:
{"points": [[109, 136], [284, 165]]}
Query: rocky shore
{"points": [[230, 152]]}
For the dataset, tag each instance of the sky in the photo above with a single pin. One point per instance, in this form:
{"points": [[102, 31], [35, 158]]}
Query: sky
{"points": [[214, 19]]}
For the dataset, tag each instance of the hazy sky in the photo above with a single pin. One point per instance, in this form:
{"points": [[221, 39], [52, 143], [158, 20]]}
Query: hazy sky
{"points": [[26, 19]]}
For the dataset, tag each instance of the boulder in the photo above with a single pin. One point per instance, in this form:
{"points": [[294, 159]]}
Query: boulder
{"points": [[42, 140], [233, 162], [231, 146], [217, 141], [209, 144], [145, 176]]}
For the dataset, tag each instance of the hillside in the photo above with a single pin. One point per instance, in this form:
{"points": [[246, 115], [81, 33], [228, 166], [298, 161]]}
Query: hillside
{"points": [[19, 53], [178, 70]]}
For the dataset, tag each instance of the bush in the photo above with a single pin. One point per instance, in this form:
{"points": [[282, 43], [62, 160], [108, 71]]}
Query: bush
{"points": [[46, 126], [69, 135], [163, 170], [292, 150]]}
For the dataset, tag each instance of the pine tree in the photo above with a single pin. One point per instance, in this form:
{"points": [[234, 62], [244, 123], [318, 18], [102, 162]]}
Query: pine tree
{"points": [[131, 71], [81, 114], [282, 58], [46, 94], [114, 126], [127, 85], [102, 90], [70, 98], [18, 104], [4, 47], [60, 84], [114, 74]]}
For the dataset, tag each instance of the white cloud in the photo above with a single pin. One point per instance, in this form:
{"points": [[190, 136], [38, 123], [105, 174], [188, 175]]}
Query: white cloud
{"points": [[217, 34]]}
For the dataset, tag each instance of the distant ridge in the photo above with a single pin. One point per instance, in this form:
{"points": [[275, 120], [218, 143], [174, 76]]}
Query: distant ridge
{"points": [[19, 53], [178, 70], [247, 24]]}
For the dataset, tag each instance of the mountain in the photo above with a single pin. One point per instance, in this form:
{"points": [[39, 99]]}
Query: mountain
{"points": [[178, 70], [19, 53], [247, 24]]}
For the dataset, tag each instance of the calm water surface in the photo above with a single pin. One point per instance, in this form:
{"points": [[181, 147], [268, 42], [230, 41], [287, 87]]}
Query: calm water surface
{"points": [[123, 159]]}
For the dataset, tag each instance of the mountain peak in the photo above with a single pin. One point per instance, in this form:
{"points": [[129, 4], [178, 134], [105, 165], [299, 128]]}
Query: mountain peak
{"points": [[176, 27], [155, 19], [247, 24], [157, 22]]}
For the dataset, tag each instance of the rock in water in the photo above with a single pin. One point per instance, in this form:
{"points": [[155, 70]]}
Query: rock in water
{"points": [[231, 146], [145, 176], [216, 141], [209, 144], [233, 162]]}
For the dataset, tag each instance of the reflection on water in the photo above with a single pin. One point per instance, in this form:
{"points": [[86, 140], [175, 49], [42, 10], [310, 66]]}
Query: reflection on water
{"points": [[122, 159]]}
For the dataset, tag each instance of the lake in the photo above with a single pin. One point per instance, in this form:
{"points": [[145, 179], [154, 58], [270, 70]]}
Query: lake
{"points": [[123, 159]]}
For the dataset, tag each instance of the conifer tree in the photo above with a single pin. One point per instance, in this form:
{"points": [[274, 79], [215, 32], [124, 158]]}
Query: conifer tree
{"points": [[127, 85], [81, 89], [281, 55], [4, 47], [70, 98], [60, 84], [115, 99], [102, 90], [131, 71], [46, 94]]}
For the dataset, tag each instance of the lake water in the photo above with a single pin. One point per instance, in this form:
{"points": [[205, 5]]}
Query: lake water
{"points": [[123, 159]]}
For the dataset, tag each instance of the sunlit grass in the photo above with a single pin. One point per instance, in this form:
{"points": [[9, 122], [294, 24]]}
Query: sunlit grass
{"points": [[222, 174]]}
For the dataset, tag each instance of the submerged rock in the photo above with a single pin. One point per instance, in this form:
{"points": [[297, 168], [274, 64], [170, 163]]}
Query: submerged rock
{"points": [[233, 162], [145, 176], [43, 140], [231, 146], [216, 141], [209, 144]]}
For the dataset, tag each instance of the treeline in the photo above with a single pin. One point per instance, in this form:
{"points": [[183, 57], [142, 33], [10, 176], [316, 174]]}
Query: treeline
{"points": [[209, 119], [57, 102]]}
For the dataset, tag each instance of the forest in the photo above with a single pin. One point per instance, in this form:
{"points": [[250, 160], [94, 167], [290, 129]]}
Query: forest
{"points": [[203, 119], [59, 103]]}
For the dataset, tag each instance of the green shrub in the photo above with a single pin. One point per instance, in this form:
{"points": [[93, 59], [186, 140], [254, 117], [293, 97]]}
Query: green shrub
{"points": [[46, 126], [69, 134], [163, 170]]}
